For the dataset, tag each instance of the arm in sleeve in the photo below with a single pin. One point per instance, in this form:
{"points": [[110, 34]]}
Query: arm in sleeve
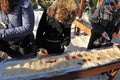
{"points": [[67, 38], [98, 28], [20, 31], [41, 29]]}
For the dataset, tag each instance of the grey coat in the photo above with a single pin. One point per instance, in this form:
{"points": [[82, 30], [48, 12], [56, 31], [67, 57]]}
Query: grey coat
{"points": [[103, 20], [16, 38], [20, 22]]}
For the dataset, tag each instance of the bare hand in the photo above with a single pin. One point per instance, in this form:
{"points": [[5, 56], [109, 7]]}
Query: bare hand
{"points": [[114, 35]]}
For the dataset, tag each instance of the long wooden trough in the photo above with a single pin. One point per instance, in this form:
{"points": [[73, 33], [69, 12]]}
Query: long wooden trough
{"points": [[85, 73], [67, 66]]}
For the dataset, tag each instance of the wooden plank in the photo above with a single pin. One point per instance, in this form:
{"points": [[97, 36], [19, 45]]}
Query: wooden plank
{"points": [[82, 27], [79, 14]]}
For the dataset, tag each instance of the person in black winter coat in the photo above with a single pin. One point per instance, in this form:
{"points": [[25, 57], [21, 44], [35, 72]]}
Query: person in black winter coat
{"points": [[103, 23], [53, 33]]}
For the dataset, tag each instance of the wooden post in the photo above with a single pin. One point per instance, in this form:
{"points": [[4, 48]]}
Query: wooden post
{"points": [[79, 15], [81, 9]]}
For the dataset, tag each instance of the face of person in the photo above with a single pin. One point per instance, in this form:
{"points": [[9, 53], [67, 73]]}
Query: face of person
{"points": [[4, 6], [117, 5]]}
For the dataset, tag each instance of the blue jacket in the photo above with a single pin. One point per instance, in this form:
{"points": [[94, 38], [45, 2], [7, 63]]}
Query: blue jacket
{"points": [[20, 22]]}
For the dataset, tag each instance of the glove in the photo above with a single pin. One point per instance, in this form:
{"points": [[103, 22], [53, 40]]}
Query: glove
{"points": [[2, 25], [41, 52]]}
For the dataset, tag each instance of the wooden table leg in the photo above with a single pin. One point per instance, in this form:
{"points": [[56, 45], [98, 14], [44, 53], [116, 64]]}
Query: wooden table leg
{"points": [[76, 31], [112, 73]]}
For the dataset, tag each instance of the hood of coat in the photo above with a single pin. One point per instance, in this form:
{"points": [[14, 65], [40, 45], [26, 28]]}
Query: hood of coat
{"points": [[24, 3]]}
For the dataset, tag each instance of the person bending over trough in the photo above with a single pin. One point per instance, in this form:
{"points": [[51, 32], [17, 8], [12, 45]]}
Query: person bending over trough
{"points": [[103, 23], [54, 29], [16, 26]]}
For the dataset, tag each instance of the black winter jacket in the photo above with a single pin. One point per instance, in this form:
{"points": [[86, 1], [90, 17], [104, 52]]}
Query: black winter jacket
{"points": [[52, 35]]}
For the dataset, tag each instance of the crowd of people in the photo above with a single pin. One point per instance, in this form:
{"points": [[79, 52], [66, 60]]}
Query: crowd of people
{"points": [[54, 29], [17, 23]]}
